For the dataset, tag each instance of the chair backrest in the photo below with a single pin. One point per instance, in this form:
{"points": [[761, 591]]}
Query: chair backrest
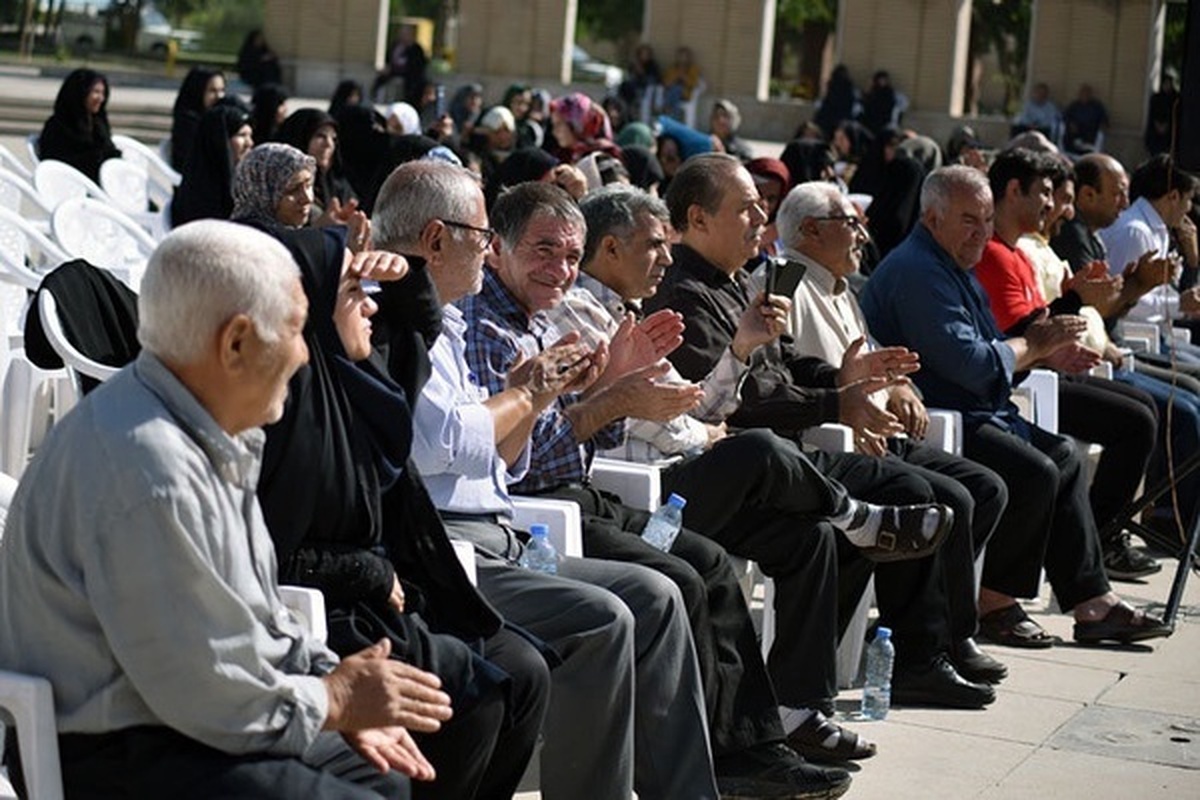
{"points": [[18, 194], [104, 236], [77, 363], [134, 151], [57, 181], [9, 160], [127, 183], [26, 253]]}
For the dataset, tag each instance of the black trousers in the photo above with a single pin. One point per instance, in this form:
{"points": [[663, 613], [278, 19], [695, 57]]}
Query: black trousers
{"points": [[1120, 418], [741, 703], [161, 762], [910, 594], [760, 497], [1048, 520], [499, 689]]}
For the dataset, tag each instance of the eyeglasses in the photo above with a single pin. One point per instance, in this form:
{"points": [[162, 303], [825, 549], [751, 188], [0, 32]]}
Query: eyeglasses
{"points": [[854, 220], [487, 233]]}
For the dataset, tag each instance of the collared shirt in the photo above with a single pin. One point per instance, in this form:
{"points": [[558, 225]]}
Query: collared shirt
{"points": [[1051, 272], [918, 297], [498, 331], [1137, 231], [782, 389], [454, 438], [140, 580], [1077, 245], [595, 311]]}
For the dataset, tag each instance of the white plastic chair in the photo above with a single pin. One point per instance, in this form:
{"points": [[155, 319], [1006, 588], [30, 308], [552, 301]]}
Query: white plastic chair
{"points": [[19, 195], [129, 186], [77, 363], [26, 253], [57, 181], [162, 175], [561, 516], [103, 236]]}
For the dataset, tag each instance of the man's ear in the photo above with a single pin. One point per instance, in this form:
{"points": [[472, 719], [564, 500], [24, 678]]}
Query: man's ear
{"points": [[232, 343], [433, 236], [1012, 189], [696, 218], [610, 247]]}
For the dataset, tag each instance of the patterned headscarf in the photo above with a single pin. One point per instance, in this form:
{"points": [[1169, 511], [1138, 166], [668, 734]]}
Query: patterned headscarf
{"points": [[261, 178], [586, 119]]}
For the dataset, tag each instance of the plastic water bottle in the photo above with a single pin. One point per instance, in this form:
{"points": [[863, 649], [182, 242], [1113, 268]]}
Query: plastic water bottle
{"points": [[664, 524], [540, 555], [877, 692]]}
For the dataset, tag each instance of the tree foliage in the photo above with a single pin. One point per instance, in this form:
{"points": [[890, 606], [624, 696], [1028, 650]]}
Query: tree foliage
{"points": [[1002, 27], [611, 20]]}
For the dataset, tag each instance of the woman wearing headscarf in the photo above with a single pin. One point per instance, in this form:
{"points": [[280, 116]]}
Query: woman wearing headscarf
{"points": [[77, 133], [525, 165], [206, 191], [350, 516], [316, 133], [896, 206], [465, 108], [580, 127], [257, 63], [348, 93], [772, 179], [840, 102], [363, 140], [644, 170], [200, 91], [269, 104], [724, 124]]}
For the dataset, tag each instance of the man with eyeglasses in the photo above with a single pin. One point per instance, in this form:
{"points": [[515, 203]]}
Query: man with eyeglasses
{"points": [[822, 230], [628, 665], [716, 209]]}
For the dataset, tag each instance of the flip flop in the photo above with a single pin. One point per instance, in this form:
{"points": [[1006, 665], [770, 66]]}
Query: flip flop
{"points": [[1012, 627], [810, 741], [1123, 624]]}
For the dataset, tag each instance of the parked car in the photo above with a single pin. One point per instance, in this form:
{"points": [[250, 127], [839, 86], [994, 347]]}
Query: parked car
{"points": [[87, 28], [586, 68]]}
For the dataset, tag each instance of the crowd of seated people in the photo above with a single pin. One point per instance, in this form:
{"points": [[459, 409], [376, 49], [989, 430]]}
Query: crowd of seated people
{"points": [[365, 339]]}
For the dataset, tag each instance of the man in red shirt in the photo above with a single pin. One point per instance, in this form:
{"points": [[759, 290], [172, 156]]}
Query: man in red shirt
{"points": [[1120, 418]]}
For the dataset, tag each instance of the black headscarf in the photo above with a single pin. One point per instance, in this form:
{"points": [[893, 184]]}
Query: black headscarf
{"points": [[297, 130], [73, 135], [526, 164], [206, 190], [346, 509], [266, 102], [807, 159], [363, 143], [643, 166], [838, 103], [189, 108], [342, 94], [896, 206]]}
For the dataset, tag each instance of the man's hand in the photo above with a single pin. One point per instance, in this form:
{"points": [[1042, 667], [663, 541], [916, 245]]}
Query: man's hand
{"points": [[886, 362], [909, 409], [565, 366], [1189, 301], [391, 748], [378, 265], [641, 396], [396, 598], [359, 225], [569, 178], [1072, 359], [637, 345], [1113, 355], [1146, 273], [1185, 234], [367, 690], [856, 409], [1096, 287], [763, 321], [716, 433], [1047, 335]]}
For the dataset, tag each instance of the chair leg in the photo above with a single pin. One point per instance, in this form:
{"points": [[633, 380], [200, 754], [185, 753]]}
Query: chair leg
{"points": [[29, 703]]}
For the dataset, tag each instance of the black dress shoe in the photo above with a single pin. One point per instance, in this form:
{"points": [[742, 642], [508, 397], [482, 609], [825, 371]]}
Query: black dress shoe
{"points": [[938, 684], [772, 770], [975, 665]]}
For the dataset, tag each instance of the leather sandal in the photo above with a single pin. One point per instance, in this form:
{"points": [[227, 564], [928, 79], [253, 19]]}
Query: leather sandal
{"points": [[1012, 627], [810, 740], [903, 536], [1123, 624]]}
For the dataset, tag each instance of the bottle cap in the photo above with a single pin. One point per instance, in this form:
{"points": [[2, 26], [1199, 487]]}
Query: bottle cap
{"points": [[676, 500], [539, 530], [883, 633]]}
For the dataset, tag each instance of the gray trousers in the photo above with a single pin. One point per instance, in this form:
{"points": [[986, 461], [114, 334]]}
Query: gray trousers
{"points": [[626, 706]]}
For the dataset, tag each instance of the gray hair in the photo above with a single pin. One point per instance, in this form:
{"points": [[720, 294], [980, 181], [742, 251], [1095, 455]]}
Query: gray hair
{"points": [[942, 183], [810, 199], [417, 192], [699, 182], [201, 276], [516, 207], [617, 210]]}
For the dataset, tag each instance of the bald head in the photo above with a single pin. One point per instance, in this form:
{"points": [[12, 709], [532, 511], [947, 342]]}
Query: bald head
{"points": [[1101, 190]]}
